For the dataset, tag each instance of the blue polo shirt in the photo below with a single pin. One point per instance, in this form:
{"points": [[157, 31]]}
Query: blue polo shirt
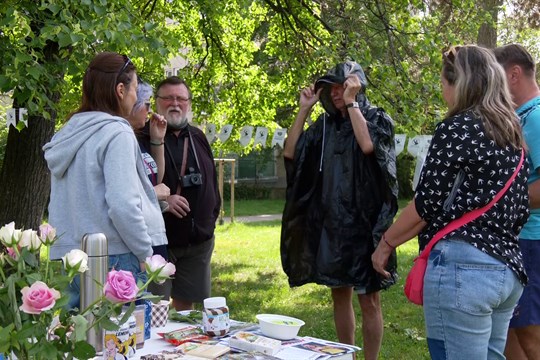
{"points": [[529, 114]]}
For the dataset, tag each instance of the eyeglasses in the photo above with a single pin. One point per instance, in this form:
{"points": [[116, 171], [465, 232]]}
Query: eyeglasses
{"points": [[451, 53], [127, 61], [171, 99]]}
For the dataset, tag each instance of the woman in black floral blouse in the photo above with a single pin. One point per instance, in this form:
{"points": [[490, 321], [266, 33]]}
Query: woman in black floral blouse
{"points": [[475, 274]]}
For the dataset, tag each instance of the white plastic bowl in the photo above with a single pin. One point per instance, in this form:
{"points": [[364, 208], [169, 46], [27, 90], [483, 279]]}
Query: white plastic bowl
{"points": [[279, 326]]}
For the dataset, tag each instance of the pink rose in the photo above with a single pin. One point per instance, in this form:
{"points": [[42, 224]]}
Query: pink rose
{"points": [[120, 286], [38, 297], [47, 233], [158, 266]]}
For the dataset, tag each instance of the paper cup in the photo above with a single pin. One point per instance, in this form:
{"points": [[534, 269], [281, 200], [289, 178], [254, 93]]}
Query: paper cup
{"points": [[160, 313]]}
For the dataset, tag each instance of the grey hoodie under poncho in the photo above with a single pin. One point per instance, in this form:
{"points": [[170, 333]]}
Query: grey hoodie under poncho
{"points": [[99, 185]]}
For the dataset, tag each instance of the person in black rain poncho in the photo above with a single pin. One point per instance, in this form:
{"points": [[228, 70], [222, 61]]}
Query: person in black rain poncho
{"points": [[341, 197]]}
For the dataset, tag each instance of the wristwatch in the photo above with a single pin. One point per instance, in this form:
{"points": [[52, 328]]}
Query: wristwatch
{"points": [[354, 104]]}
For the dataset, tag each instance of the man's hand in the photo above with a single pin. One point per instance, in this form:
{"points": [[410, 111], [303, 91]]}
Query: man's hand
{"points": [[352, 86], [162, 191], [308, 97], [178, 205]]}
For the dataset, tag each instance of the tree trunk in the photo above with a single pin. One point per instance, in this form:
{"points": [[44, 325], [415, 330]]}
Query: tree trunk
{"points": [[487, 34], [25, 177]]}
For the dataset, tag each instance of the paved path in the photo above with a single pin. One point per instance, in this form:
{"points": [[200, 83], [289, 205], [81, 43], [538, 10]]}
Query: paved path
{"points": [[245, 219]]}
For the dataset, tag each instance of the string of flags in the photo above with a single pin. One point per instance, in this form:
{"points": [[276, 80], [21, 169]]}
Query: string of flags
{"points": [[258, 134]]}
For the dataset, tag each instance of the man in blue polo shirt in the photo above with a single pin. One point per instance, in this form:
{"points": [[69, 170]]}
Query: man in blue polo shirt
{"points": [[524, 334]]}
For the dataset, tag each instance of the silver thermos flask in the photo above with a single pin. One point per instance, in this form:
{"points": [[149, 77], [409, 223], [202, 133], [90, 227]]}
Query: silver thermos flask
{"points": [[93, 280]]}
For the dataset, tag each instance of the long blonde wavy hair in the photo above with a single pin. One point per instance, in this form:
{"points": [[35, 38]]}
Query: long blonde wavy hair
{"points": [[480, 85]]}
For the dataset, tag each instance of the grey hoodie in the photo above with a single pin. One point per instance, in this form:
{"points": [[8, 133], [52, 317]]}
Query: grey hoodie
{"points": [[99, 184]]}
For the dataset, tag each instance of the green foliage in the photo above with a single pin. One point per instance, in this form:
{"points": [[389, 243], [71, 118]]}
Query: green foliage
{"points": [[247, 192], [245, 64], [48, 45]]}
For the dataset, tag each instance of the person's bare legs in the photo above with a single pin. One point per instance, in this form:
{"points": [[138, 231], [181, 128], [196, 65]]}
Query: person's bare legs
{"points": [[372, 324], [182, 305], [513, 350], [344, 318]]}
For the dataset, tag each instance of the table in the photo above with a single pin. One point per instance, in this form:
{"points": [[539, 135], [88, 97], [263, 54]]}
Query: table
{"points": [[156, 344]]}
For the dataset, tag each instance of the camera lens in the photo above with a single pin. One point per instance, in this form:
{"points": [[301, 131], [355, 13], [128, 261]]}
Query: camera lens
{"points": [[196, 179]]}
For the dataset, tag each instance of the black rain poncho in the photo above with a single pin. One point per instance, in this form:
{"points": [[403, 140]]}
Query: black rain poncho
{"points": [[339, 201]]}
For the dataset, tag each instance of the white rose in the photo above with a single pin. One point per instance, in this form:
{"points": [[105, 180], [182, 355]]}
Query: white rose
{"points": [[77, 260], [17, 234], [6, 234], [30, 240]]}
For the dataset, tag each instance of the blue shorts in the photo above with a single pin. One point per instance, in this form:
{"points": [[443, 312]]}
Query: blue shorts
{"points": [[527, 311]]}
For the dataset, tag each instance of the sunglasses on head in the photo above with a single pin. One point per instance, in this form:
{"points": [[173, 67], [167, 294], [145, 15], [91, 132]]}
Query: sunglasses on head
{"points": [[127, 61]]}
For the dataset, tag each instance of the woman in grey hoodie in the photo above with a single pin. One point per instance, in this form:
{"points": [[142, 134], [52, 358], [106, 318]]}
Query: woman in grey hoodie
{"points": [[99, 182]]}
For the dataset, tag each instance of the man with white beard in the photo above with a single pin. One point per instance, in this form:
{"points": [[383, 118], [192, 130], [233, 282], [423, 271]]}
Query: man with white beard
{"points": [[194, 203]]}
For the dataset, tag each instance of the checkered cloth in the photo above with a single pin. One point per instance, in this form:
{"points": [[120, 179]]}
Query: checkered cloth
{"points": [[160, 313]]}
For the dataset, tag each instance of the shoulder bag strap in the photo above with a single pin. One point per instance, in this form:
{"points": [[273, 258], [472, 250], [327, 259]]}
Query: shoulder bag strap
{"points": [[470, 216]]}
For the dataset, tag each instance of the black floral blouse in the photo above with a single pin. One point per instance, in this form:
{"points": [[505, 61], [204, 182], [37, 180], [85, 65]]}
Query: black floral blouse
{"points": [[463, 171]]}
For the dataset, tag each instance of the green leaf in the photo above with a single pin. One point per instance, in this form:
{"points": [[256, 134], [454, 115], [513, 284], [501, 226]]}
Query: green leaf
{"points": [[80, 327], [150, 26], [83, 350], [5, 337], [43, 350], [20, 126], [108, 324], [29, 257], [64, 39]]}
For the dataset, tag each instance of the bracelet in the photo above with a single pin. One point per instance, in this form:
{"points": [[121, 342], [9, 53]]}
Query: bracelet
{"points": [[156, 143], [387, 243]]}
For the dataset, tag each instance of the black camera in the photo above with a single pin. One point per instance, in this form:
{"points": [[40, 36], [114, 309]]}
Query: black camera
{"points": [[192, 179]]}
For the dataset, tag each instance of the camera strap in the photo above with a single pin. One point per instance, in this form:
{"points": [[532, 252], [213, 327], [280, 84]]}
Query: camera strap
{"points": [[184, 164]]}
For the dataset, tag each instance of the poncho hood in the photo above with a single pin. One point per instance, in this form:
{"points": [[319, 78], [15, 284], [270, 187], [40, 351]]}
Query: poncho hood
{"points": [[338, 75]]}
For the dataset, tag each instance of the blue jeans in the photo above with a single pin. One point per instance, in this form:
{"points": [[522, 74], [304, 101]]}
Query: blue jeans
{"points": [[469, 297], [127, 262]]}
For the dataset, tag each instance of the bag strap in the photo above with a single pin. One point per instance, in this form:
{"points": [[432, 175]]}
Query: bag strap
{"points": [[470, 216]]}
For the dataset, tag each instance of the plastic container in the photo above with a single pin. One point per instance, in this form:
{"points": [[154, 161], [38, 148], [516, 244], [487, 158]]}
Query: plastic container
{"points": [[278, 326], [215, 315], [139, 314], [147, 316]]}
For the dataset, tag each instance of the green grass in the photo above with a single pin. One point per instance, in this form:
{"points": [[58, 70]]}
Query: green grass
{"points": [[247, 271], [254, 207]]}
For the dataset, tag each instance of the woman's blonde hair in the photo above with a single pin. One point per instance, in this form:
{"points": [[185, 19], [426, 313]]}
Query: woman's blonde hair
{"points": [[480, 85]]}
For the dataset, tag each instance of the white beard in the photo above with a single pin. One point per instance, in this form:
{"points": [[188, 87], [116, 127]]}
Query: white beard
{"points": [[179, 122]]}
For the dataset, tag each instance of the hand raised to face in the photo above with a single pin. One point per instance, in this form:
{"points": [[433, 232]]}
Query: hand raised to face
{"points": [[351, 88]]}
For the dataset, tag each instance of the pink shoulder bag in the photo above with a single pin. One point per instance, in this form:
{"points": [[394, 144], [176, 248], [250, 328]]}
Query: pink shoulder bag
{"points": [[414, 284]]}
